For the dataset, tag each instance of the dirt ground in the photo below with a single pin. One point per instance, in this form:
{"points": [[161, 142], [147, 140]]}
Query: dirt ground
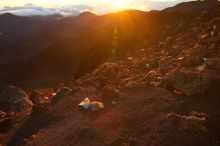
{"points": [[139, 118]]}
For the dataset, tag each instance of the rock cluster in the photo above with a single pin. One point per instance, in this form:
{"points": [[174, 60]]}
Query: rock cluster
{"points": [[194, 120], [181, 61], [94, 105]]}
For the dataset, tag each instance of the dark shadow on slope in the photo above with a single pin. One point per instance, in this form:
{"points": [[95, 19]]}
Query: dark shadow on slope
{"points": [[33, 124]]}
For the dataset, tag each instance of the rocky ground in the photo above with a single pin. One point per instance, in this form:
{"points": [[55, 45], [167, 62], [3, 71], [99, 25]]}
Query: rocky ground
{"points": [[165, 94]]}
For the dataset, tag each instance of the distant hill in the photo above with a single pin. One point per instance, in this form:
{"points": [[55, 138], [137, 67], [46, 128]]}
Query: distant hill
{"points": [[37, 47]]}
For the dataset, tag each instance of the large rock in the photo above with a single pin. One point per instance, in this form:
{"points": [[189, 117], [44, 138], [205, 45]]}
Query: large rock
{"points": [[62, 93], [189, 122], [187, 81], [15, 99], [107, 73]]}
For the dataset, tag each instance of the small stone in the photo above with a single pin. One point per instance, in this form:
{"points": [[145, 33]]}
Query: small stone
{"points": [[180, 58], [204, 36]]}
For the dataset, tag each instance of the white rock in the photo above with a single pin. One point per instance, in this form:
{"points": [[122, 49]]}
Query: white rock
{"points": [[85, 103]]}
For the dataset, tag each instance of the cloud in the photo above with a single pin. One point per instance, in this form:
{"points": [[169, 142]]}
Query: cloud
{"points": [[31, 9]]}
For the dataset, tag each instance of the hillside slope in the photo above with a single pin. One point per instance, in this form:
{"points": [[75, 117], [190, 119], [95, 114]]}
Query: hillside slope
{"points": [[163, 91]]}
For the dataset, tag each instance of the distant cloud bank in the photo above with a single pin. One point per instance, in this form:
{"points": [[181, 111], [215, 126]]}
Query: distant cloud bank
{"points": [[32, 9]]}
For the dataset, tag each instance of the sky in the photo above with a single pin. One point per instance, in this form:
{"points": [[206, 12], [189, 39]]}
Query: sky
{"points": [[75, 7]]}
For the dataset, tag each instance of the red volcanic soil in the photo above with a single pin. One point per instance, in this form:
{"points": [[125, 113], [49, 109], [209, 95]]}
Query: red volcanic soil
{"points": [[139, 118]]}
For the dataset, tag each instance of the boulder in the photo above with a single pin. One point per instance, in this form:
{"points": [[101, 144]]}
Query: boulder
{"points": [[62, 93], [96, 106], [15, 99], [109, 94], [188, 82], [107, 73]]}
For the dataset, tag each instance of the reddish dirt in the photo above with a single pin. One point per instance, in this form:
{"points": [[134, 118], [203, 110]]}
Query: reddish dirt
{"points": [[139, 118]]}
